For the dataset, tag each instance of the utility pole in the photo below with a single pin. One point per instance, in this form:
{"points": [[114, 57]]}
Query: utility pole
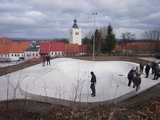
{"points": [[7, 90], [94, 26]]}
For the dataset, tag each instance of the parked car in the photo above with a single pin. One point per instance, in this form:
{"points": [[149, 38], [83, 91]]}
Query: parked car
{"points": [[21, 59]]}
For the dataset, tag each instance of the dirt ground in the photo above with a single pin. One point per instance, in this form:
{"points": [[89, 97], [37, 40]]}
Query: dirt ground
{"points": [[32, 110], [145, 106]]}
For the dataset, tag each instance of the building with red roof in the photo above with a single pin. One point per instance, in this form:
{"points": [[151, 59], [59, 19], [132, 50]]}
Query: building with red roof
{"points": [[75, 49], [141, 47], [12, 50], [15, 49], [53, 48]]}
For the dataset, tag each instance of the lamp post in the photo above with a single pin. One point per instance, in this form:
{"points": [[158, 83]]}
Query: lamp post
{"points": [[93, 52]]}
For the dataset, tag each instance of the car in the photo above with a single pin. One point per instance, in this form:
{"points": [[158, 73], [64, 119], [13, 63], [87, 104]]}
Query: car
{"points": [[21, 59]]}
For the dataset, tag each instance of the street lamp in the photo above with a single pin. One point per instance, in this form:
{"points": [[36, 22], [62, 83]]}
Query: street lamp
{"points": [[93, 52]]}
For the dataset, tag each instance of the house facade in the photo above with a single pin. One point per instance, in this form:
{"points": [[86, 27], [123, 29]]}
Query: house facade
{"points": [[12, 50], [147, 47], [53, 48], [57, 49], [75, 50], [31, 52], [15, 50]]}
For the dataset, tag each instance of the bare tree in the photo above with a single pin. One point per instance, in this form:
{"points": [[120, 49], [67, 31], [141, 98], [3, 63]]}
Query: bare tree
{"points": [[152, 34], [128, 36]]}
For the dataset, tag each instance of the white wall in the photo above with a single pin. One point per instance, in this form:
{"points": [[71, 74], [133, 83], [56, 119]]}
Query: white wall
{"points": [[15, 56], [12, 56], [31, 54], [76, 38], [4, 55], [56, 53]]}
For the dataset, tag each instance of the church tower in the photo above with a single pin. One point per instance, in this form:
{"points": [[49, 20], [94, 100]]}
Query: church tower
{"points": [[76, 34]]}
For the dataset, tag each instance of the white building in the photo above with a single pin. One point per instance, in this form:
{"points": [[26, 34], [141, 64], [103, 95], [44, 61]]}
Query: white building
{"points": [[31, 52], [76, 34], [11, 56]]}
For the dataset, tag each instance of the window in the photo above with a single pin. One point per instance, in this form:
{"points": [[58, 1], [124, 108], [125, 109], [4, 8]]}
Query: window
{"points": [[77, 33]]}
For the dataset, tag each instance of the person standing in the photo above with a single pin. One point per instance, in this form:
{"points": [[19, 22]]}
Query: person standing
{"points": [[156, 72], [137, 81], [147, 69], [92, 86], [153, 66], [43, 60], [48, 59], [141, 68], [130, 76]]}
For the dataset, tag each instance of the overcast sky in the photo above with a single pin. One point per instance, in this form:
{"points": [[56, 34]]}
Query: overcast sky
{"points": [[54, 18]]}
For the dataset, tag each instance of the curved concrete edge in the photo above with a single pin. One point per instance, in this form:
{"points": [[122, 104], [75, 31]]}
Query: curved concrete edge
{"points": [[130, 95], [50, 100], [46, 99]]}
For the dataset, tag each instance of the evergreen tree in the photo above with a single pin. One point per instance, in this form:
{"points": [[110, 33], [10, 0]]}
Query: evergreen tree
{"points": [[109, 42], [88, 41], [98, 41], [104, 40]]}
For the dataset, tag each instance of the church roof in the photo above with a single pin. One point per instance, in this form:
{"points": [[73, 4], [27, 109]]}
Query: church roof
{"points": [[75, 24]]}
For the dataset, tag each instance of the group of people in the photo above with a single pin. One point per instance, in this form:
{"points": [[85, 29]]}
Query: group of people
{"points": [[154, 67], [46, 58], [134, 75]]}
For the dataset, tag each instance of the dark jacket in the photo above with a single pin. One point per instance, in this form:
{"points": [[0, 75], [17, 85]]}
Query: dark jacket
{"points": [[93, 79], [130, 74], [147, 68], [137, 80]]}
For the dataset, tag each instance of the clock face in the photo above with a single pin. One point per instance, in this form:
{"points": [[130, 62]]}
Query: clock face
{"points": [[77, 33]]}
